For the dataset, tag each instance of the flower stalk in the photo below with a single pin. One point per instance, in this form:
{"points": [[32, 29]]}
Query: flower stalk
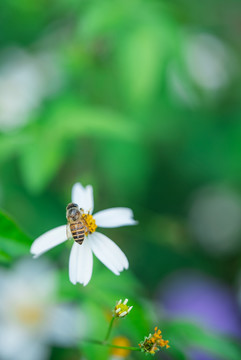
{"points": [[150, 345], [104, 343], [109, 329]]}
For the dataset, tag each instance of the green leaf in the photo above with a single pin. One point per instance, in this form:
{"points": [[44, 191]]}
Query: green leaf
{"points": [[10, 144], [41, 160], [186, 335], [4, 257], [142, 57], [13, 241], [66, 121], [69, 119]]}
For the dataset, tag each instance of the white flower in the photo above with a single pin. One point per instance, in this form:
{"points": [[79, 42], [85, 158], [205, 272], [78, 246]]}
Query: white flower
{"points": [[25, 81], [30, 319], [81, 257]]}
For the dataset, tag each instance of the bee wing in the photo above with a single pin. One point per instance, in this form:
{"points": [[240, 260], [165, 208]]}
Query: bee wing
{"points": [[68, 232]]}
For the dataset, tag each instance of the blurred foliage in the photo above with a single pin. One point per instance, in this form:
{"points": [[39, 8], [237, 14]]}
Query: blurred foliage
{"points": [[13, 241], [184, 334], [127, 104]]}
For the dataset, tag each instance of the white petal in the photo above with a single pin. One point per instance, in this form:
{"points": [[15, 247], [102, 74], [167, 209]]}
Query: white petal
{"points": [[48, 240], [108, 252], [20, 343], [12, 339], [80, 263], [123, 314], [34, 280], [114, 217], [83, 197]]}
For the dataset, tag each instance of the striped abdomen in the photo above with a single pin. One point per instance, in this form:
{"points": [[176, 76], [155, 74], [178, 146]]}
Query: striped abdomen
{"points": [[78, 232]]}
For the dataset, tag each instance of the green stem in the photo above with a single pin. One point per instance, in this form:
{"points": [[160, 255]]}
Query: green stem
{"points": [[104, 343], [109, 329]]}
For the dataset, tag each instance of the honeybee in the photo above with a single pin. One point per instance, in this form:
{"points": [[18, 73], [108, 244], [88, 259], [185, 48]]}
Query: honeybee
{"points": [[79, 223], [75, 227]]}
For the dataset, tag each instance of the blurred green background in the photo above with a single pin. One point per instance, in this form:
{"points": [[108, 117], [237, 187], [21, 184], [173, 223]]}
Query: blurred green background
{"points": [[141, 99]]}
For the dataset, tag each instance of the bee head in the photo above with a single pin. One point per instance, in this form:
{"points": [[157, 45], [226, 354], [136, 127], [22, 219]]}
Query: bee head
{"points": [[72, 212]]}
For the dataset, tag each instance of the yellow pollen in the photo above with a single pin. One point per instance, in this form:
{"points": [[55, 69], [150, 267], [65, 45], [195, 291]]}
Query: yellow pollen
{"points": [[90, 223], [153, 342]]}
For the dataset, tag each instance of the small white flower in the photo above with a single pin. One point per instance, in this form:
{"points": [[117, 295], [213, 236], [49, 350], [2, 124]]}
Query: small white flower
{"points": [[81, 257], [30, 318], [121, 309]]}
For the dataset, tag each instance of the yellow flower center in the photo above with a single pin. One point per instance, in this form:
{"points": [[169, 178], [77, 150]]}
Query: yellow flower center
{"points": [[90, 223], [123, 308], [29, 315]]}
